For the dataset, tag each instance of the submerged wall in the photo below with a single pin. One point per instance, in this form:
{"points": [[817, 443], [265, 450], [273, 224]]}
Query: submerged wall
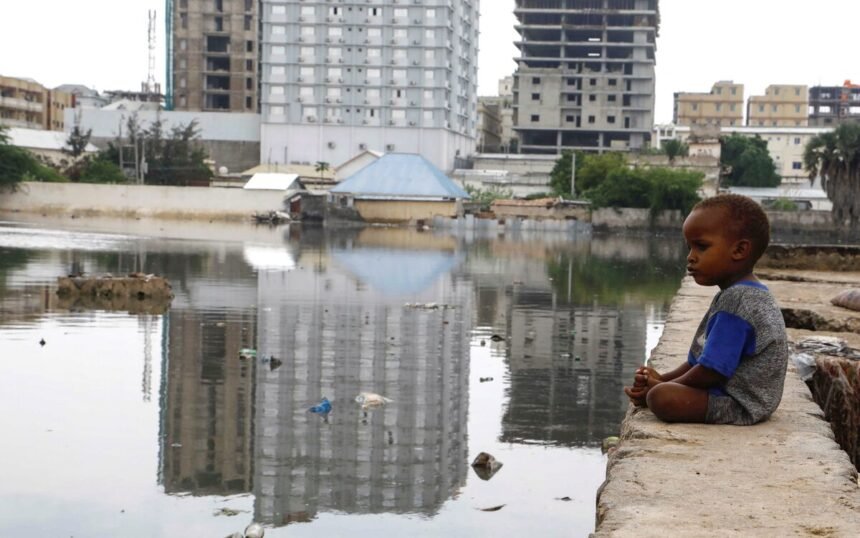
{"points": [[86, 199]]}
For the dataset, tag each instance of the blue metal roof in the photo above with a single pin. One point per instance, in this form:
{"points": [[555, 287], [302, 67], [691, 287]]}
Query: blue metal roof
{"points": [[400, 175]]}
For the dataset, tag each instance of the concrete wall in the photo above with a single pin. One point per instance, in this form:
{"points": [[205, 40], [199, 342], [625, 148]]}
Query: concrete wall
{"points": [[540, 213], [634, 218], [385, 211], [81, 199]]}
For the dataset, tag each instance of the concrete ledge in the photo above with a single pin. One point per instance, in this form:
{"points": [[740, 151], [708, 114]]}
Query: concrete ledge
{"points": [[784, 477]]}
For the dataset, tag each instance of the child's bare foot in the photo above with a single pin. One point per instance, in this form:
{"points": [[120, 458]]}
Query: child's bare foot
{"points": [[637, 395]]}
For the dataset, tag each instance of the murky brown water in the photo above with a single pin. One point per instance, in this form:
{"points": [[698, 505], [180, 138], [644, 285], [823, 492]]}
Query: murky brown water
{"points": [[150, 425]]}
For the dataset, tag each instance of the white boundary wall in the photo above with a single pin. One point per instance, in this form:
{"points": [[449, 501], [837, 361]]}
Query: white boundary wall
{"points": [[86, 199]]}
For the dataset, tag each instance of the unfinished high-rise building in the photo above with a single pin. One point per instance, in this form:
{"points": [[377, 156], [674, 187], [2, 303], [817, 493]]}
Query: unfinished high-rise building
{"points": [[585, 77], [212, 55]]}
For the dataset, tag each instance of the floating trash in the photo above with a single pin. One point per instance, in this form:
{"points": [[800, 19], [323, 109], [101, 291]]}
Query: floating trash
{"points": [[322, 408], [254, 530], [485, 379], [229, 512], [492, 508], [370, 399], [247, 354], [497, 338], [609, 444]]}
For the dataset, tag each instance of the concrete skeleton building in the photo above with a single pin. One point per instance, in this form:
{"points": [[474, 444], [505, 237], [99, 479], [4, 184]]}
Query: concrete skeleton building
{"points": [[781, 106], [831, 105], [585, 76], [722, 106], [212, 55], [341, 78]]}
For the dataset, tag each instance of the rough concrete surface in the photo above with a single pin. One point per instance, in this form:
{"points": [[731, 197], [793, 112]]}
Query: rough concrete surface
{"points": [[784, 477]]}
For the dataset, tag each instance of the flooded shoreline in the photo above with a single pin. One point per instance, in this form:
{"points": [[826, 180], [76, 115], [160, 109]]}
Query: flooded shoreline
{"points": [[179, 427]]}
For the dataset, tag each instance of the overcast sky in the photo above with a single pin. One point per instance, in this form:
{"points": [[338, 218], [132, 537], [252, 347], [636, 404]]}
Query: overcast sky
{"points": [[102, 43]]}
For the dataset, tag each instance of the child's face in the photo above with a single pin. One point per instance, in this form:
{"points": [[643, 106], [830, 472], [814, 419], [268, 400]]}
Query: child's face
{"points": [[716, 256]]}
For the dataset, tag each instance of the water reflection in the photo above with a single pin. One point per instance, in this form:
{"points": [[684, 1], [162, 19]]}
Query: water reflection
{"points": [[574, 318], [340, 333]]}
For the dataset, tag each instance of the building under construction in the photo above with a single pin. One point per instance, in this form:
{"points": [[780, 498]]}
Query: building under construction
{"points": [[212, 55], [832, 105], [585, 77]]}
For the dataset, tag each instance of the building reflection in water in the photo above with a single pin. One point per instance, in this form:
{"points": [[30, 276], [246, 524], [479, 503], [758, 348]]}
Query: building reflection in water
{"points": [[577, 322], [339, 323]]}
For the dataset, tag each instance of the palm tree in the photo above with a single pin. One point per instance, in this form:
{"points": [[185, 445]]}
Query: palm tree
{"points": [[321, 168], [835, 156], [675, 148]]}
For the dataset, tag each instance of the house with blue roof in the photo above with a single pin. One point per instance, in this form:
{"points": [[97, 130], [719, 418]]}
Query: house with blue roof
{"points": [[400, 187]]}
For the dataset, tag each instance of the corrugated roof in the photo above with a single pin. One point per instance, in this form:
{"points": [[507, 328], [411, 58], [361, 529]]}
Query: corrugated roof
{"points": [[400, 175], [271, 182], [540, 202], [42, 139]]}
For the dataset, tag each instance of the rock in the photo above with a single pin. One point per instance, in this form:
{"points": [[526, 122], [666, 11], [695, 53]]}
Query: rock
{"points": [[849, 299], [486, 466]]}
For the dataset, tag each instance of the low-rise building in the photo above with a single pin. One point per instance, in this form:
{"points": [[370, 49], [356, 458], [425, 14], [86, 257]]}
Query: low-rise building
{"points": [[489, 125], [723, 105], [781, 106], [46, 144], [785, 144], [399, 188], [27, 104]]}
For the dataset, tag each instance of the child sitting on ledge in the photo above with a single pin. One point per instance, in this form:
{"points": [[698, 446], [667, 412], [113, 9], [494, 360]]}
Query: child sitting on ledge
{"points": [[736, 365]]}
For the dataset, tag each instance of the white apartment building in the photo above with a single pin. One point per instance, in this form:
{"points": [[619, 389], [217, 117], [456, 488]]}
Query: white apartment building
{"points": [[340, 77]]}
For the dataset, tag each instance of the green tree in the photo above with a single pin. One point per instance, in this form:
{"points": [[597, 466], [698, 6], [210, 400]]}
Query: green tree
{"points": [[485, 197], [591, 170], [657, 189], [18, 164], [172, 158], [835, 156], [98, 169], [77, 142], [748, 161], [675, 148]]}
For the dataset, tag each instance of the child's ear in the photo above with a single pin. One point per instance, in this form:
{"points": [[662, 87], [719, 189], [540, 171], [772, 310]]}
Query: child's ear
{"points": [[741, 250]]}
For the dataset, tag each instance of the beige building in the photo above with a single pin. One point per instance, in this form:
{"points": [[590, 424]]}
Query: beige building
{"points": [[212, 55], [723, 106], [781, 106], [489, 125], [27, 104]]}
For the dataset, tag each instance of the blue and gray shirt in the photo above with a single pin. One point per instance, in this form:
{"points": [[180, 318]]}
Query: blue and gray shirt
{"points": [[742, 337]]}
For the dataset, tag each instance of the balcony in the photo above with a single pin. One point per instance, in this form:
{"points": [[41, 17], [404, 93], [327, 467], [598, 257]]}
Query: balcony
{"points": [[20, 104]]}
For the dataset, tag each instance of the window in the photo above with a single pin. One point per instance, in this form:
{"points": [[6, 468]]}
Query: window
{"points": [[428, 74], [430, 13], [278, 70], [796, 165], [592, 82], [308, 11], [335, 72], [249, 84], [797, 141], [335, 31], [278, 29], [277, 111], [306, 91], [248, 22], [428, 115], [373, 73], [569, 119], [797, 91], [400, 54], [249, 65], [279, 9], [761, 108], [695, 106], [613, 82], [535, 97], [374, 32], [183, 63], [611, 98], [276, 90], [428, 95], [535, 80], [719, 107], [535, 118], [400, 33], [610, 119], [430, 34], [335, 52], [307, 31], [373, 93], [401, 13], [732, 107], [734, 91], [591, 119], [398, 114], [183, 44], [429, 56], [374, 53], [592, 98], [249, 46], [797, 108], [183, 20], [774, 108], [306, 72]]}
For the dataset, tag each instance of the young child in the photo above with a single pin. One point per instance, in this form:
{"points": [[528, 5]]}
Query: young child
{"points": [[736, 365]]}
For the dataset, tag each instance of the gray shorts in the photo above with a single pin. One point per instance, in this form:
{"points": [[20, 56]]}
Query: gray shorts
{"points": [[726, 410]]}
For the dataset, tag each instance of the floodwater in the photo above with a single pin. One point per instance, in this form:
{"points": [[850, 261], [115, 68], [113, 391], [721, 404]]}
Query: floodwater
{"points": [[148, 424]]}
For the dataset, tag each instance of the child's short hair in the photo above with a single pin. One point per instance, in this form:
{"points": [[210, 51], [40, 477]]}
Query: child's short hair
{"points": [[747, 219]]}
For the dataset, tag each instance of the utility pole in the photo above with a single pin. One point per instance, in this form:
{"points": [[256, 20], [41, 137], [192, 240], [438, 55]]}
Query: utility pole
{"points": [[573, 175]]}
